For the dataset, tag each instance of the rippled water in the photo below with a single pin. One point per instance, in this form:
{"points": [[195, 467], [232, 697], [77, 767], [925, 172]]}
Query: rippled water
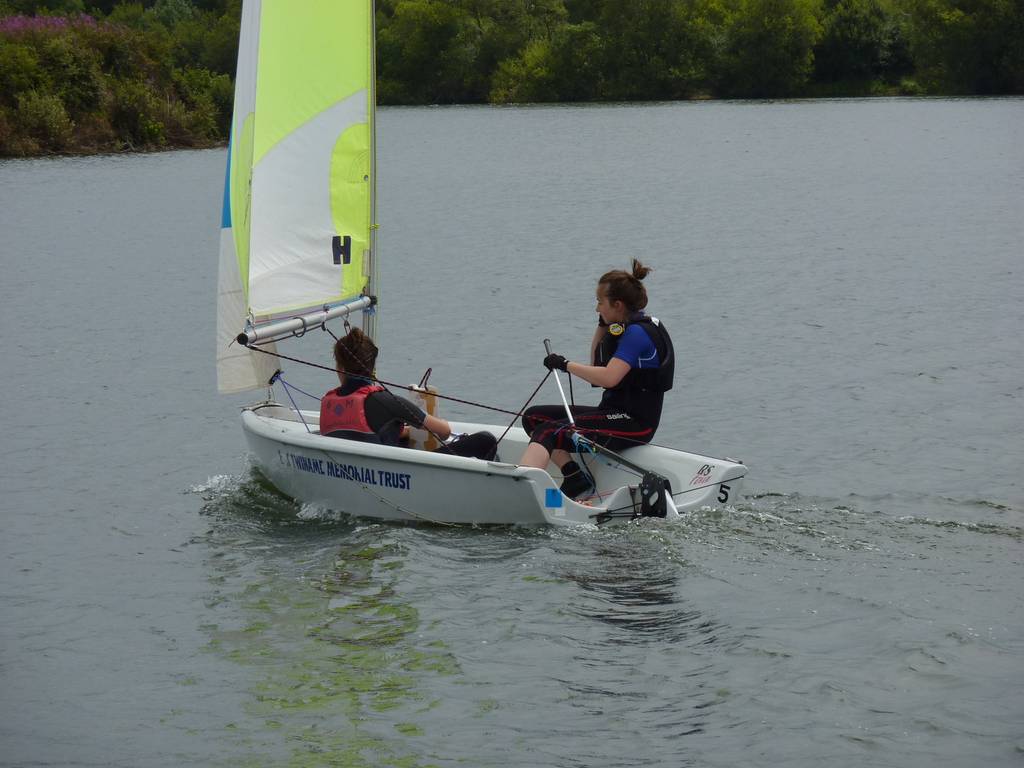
{"points": [[843, 283]]}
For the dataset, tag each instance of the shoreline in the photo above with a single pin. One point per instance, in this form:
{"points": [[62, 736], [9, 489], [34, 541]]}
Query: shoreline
{"points": [[106, 151]]}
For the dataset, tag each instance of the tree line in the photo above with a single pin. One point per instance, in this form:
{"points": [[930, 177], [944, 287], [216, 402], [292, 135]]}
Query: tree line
{"points": [[110, 75]]}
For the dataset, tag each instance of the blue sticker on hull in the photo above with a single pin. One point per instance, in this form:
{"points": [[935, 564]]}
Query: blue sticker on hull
{"points": [[553, 497]]}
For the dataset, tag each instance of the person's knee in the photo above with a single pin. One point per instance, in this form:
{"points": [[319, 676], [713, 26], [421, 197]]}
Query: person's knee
{"points": [[535, 417], [547, 440], [531, 421]]}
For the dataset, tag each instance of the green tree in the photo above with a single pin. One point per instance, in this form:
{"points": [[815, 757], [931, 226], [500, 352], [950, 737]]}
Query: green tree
{"points": [[209, 97], [135, 115], [220, 41], [20, 71], [75, 71], [527, 77], [564, 67], [654, 49], [170, 13], [583, 10], [770, 48], [129, 15], [577, 57], [44, 122], [969, 46], [852, 44], [501, 30], [426, 53]]}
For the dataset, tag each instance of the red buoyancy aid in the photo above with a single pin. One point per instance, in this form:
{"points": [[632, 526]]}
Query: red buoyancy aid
{"points": [[346, 413]]}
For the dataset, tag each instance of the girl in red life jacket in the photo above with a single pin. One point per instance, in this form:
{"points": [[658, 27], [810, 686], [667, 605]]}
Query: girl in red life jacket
{"points": [[631, 359], [362, 410]]}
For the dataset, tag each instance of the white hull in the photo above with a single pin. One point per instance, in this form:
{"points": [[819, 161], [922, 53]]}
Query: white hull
{"points": [[394, 483]]}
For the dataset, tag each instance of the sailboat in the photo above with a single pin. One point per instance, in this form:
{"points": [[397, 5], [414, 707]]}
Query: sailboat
{"points": [[298, 250]]}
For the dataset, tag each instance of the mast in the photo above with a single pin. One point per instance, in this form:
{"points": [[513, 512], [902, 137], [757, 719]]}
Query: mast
{"points": [[372, 272]]}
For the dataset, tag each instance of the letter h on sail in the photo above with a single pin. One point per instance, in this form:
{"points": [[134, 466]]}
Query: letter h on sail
{"points": [[342, 250]]}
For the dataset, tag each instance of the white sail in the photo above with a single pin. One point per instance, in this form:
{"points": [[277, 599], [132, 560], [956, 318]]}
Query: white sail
{"points": [[297, 231]]}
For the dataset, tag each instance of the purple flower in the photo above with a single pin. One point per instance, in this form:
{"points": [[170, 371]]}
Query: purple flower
{"points": [[21, 24]]}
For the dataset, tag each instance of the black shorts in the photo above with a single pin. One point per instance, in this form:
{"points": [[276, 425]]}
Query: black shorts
{"points": [[548, 425]]}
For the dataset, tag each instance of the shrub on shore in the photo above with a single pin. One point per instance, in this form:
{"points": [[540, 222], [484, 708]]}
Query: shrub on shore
{"points": [[78, 84]]}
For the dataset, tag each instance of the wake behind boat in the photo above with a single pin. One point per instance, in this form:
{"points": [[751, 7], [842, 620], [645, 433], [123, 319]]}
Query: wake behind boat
{"points": [[298, 251]]}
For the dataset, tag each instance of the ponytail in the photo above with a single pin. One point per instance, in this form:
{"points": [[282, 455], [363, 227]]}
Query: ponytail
{"points": [[627, 287]]}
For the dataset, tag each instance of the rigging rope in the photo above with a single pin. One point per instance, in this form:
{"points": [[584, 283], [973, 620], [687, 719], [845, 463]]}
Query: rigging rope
{"points": [[523, 409], [385, 383], [287, 389], [280, 377]]}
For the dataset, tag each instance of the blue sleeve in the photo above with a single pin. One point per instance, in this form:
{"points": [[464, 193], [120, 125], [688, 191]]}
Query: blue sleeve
{"points": [[636, 349]]}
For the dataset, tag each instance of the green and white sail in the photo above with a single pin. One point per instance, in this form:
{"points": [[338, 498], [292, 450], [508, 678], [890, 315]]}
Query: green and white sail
{"points": [[298, 222]]}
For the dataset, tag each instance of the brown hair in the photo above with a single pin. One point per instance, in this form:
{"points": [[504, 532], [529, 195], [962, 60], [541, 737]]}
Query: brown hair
{"points": [[620, 285], [355, 353]]}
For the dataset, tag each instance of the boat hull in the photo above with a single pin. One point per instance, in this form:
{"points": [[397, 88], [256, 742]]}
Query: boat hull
{"points": [[395, 483]]}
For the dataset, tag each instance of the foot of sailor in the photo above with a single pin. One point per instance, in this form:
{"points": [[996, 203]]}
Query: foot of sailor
{"points": [[575, 482]]}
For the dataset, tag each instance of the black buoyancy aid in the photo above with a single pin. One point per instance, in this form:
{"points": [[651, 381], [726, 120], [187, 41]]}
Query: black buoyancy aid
{"points": [[346, 413], [657, 379]]}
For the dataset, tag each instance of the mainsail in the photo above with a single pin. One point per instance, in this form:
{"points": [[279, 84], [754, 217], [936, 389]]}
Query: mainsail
{"points": [[297, 227]]}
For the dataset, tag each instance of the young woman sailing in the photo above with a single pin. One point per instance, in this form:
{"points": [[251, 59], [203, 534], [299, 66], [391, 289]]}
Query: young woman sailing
{"points": [[631, 359]]}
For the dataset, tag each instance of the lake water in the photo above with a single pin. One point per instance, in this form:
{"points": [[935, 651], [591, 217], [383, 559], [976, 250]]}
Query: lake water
{"points": [[844, 284]]}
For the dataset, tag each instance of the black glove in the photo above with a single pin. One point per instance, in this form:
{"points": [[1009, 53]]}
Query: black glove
{"points": [[553, 361]]}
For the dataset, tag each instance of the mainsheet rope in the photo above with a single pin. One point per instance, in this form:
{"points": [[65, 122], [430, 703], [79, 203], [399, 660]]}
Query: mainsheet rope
{"points": [[523, 409], [278, 377], [406, 387]]}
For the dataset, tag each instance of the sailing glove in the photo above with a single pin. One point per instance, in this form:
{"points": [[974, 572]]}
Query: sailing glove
{"points": [[553, 361]]}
